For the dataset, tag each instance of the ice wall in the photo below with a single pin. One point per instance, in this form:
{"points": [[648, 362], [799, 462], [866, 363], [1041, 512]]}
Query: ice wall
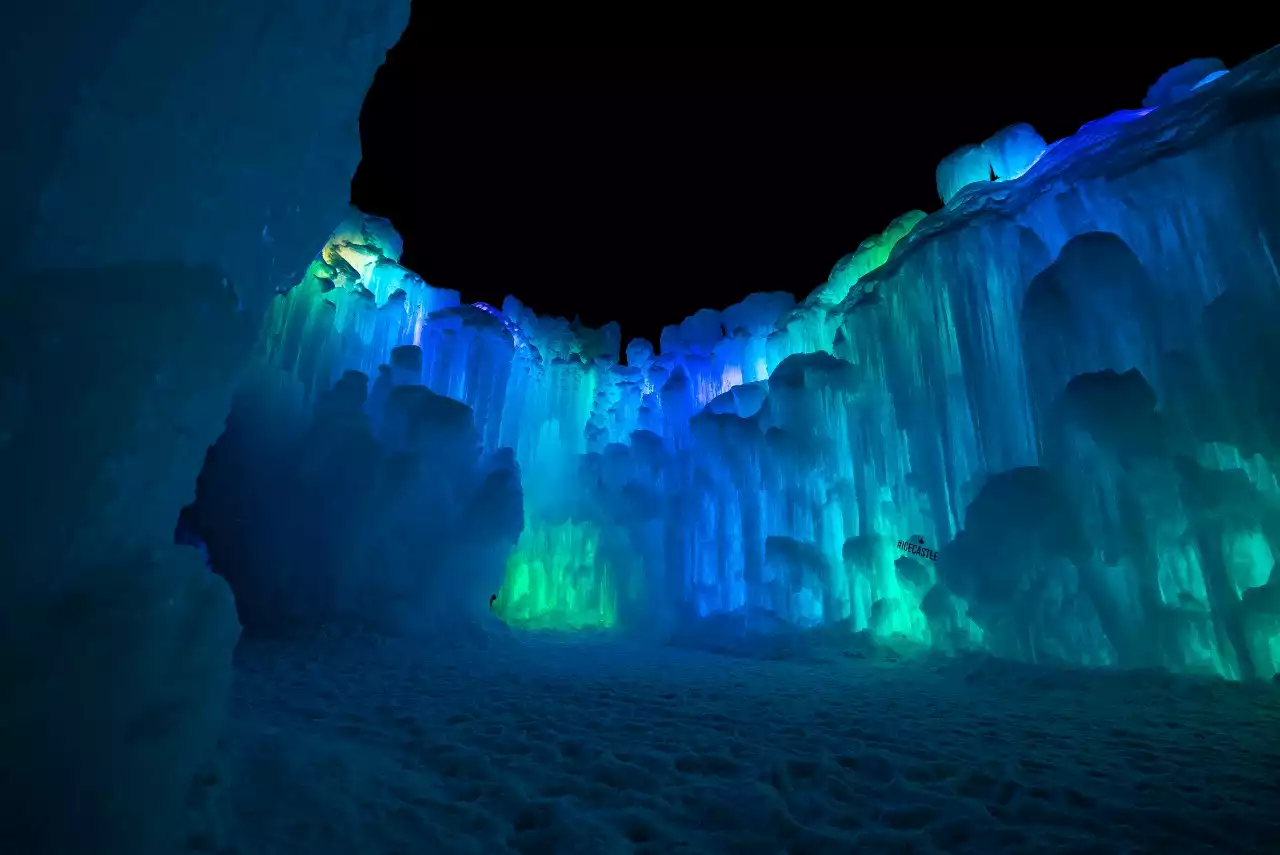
{"points": [[1038, 422], [534, 388], [954, 414], [220, 134], [966, 401], [167, 166], [550, 390]]}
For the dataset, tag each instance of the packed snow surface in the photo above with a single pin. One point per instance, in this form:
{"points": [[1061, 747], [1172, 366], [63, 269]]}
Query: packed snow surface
{"points": [[506, 744]]}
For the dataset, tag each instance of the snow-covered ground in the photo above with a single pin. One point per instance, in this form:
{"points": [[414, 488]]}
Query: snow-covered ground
{"points": [[531, 745]]}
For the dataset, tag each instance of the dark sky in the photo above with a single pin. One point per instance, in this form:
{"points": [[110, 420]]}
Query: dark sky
{"points": [[594, 187]]}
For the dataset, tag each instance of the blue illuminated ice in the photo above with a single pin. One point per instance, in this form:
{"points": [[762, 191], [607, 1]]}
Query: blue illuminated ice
{"points": [[1053, 382], [1179, 82], [1013, 150], [1006, 155], [967, 165]]}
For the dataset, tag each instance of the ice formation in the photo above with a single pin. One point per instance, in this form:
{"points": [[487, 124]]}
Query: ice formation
{"points": [[1180, 81], [1057, 388], [167, 167], [1008, 154]]}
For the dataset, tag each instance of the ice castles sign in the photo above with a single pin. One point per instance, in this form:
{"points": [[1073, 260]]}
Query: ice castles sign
{"points": [[914, 545]]}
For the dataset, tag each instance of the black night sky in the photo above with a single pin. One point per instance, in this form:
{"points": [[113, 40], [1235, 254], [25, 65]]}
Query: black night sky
{"points": [[642, 197]]}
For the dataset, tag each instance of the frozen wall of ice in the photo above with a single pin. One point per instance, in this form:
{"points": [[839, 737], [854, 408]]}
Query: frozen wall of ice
{"points": [[170, 165], [1038, 422], [221, 134]]}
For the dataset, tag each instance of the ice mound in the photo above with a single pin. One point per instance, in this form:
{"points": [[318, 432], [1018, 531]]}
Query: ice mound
{"points": [[396, 528], [1006, 155], [1179, 82]]}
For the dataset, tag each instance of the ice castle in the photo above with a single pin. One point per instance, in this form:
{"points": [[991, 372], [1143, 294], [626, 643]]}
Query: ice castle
{"points": [[1040, 423]]}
